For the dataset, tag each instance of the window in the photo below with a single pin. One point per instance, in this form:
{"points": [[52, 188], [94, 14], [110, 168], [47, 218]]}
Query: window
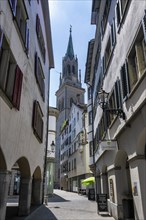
{"points": [[105, 17], [73, 69], [10, 74], [135, 65], [39, 76], [40, 37], [91, 148], [121, 8], [20, 15], [90, 117], [74, 163], [89, 93], [113, 33], [37, 123], [77, 116]]}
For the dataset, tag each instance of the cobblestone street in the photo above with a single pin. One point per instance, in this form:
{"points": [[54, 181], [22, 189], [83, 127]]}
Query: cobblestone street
{"points": [[68, 206]]}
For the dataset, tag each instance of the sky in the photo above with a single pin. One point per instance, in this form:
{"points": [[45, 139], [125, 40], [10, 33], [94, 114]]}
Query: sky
{"points": [[64, 13]]}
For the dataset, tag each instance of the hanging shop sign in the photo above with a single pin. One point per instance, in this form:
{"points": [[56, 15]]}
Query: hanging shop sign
{"points": [[108, 145]]}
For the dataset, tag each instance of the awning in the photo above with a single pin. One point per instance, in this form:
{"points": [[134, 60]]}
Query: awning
{"points": [[88, 181]]}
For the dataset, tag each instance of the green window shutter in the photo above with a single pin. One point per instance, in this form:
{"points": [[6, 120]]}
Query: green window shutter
{"points": [[144, 26], [125, 81]]}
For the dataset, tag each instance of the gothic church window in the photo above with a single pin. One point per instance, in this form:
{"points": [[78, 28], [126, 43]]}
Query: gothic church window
{"points": [[73, 69], [68, 69]]}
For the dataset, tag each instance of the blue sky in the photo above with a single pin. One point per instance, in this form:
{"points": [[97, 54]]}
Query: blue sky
{"points": [[64, 13]]}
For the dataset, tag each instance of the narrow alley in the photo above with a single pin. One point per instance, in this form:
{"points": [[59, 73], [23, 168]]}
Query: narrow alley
{"points": [[67, 206]]}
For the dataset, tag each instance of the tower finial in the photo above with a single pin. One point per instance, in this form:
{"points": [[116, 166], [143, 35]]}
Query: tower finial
{"points": [[70, 29]]}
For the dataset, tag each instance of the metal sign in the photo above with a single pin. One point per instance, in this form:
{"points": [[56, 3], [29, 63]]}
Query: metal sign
{"points": [[108, 145]]}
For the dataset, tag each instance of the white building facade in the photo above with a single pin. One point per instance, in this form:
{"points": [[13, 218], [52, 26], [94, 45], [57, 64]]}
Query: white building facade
{"points": [[74, 155], [116, 63], [26, 57]]}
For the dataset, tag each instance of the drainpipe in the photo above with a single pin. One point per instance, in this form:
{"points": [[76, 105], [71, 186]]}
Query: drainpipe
{"points": [[44, 196]]}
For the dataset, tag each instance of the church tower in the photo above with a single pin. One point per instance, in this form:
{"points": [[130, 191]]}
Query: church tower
{"points": [[70, 91]]}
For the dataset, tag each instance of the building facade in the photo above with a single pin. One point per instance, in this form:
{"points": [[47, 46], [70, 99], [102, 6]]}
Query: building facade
{"points": [[74, 161], [116, 63], [26, 57], [70, 91], [53, 114]]}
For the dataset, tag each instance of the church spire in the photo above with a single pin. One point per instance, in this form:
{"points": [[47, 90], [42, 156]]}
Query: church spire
{"points": [[70, 50]]}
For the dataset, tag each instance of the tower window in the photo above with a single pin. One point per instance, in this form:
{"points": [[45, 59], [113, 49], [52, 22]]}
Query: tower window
{"points": [[73, 69], [68, 69]]}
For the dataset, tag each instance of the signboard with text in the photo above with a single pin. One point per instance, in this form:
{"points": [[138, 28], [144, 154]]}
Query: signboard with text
{"points": [[102, 202]]}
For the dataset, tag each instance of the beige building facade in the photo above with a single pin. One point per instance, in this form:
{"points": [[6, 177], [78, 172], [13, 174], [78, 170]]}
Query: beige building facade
{"points": [[26, 57], [117, 64]]}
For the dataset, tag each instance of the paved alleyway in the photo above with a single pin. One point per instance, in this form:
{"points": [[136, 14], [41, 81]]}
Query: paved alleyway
{"points": [[67, 206]]}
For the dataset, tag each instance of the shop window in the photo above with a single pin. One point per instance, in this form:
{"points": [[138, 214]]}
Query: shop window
{"points": [[37, 122], [20, 15], [40, 37], [39, 76], [10, 74]]}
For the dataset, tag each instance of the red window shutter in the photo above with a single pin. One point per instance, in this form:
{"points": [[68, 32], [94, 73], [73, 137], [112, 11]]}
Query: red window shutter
{"points": [[17, 88]]}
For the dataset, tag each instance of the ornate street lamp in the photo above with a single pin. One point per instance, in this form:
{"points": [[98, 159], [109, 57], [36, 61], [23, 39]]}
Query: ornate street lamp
{"points": [[52, 148], [103, 102]]}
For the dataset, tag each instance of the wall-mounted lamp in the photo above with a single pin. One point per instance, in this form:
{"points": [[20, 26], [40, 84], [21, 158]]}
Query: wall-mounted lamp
{"points": [[52, 148], [103, 102]]}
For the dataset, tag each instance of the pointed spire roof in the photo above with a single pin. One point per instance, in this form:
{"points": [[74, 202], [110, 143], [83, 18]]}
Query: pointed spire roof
{"points": [[70, 50]]}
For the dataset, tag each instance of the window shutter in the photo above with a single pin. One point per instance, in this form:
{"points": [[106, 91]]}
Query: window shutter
{"points": [[144, 26], [125, 80], [113, 34], [118, 97], [34, 118], [37, 24], [118, 13], [36, 67], [13, 4], [27, 38], [1, 37], [103, 66], [17, 88]]}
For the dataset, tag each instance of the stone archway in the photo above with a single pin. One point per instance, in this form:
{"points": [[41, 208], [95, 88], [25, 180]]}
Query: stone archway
{"points": [[36, 198], [25, 187], [124, 198], [4, 185]]}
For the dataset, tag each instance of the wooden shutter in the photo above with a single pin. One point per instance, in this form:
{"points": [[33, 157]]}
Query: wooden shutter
{"points": [[27, 38], [144, 26], [17, 88], [36, 67], [125, 80], [118, 13], [1, 37], [37, 24]]}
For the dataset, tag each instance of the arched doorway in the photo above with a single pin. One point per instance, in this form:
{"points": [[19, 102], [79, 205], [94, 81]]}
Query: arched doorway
{"points": [[123, 198], [4, 185], [36, 198]]}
